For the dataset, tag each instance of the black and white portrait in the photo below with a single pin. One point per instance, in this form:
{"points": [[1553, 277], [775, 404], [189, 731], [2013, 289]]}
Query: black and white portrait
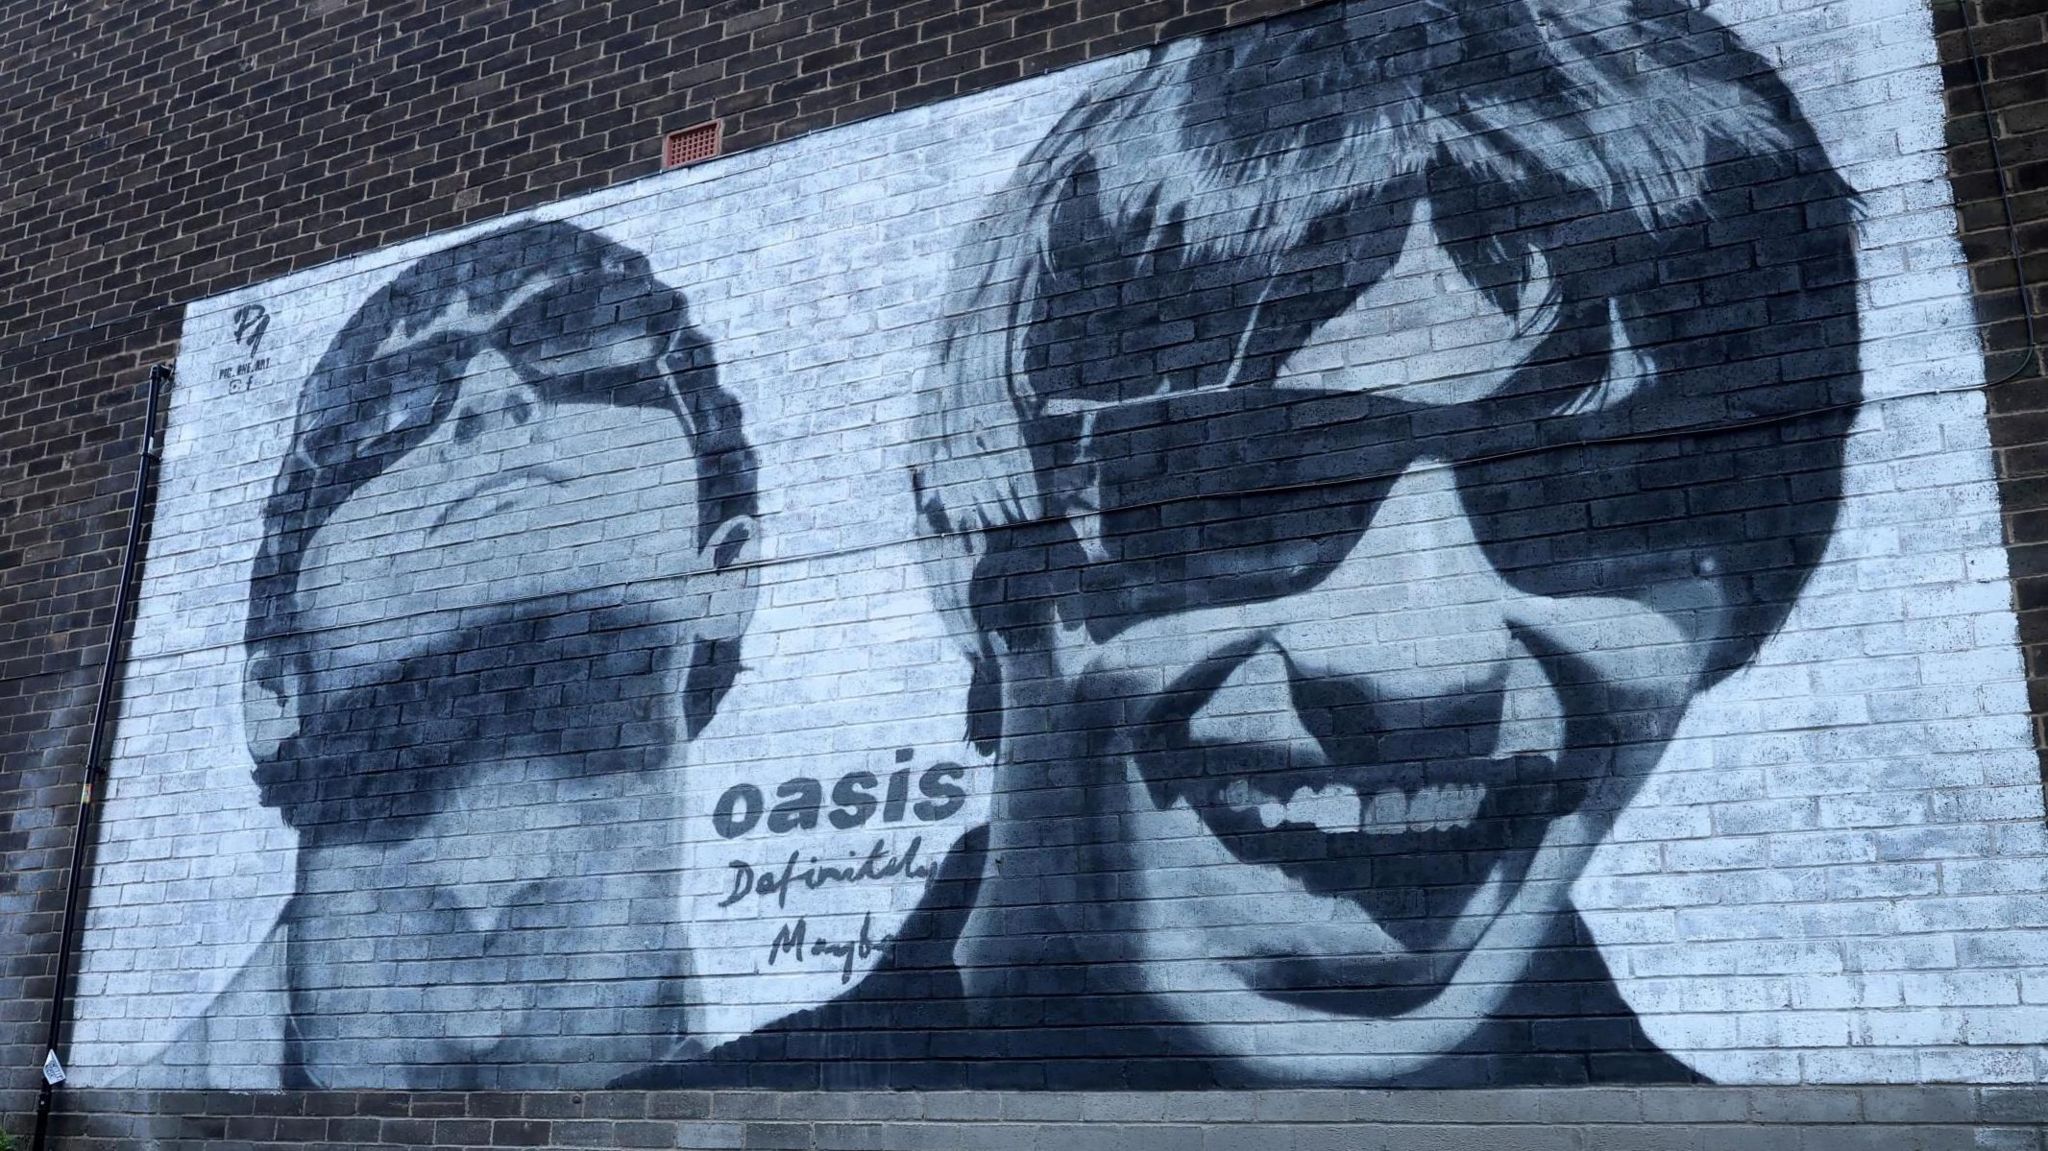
{"points": [[506, 563], [1361, 438]]}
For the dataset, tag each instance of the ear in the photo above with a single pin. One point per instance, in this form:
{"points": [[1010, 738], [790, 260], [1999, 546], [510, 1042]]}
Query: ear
{"points": [[270, 706], [725, 569]]}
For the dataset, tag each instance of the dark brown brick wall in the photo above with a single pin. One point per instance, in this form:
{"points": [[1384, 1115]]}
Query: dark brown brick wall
{"points": [[156, 153], [2000, 174]]}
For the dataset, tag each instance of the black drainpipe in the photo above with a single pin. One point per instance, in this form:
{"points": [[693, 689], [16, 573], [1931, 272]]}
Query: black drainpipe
{"points": [[81, 836]]}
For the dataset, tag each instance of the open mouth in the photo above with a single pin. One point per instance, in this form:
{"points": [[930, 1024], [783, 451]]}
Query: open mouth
{"points": [[1409, 855], [1406, 809]]}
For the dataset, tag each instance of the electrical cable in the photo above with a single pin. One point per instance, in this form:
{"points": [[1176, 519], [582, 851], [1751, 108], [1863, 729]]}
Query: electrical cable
{"points": [[2012, 231]]}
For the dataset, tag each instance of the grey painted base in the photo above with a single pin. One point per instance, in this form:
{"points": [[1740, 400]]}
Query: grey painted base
{"points": [[1568, 1119]]}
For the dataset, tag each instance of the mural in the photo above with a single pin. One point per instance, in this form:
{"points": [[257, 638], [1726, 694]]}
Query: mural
{"points": [[1197, 588]]}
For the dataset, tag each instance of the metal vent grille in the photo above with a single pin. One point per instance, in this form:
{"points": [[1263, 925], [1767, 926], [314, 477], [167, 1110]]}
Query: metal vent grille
{"points": [[690, 145]]}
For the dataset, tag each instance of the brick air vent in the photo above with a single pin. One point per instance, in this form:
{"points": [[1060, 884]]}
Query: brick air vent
{"points": [[689, 145]]}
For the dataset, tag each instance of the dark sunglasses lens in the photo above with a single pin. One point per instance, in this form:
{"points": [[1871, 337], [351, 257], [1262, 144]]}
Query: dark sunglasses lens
{"points": [[1220, 498]]}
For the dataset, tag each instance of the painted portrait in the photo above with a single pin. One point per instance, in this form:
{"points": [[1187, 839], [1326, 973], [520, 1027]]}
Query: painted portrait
{"points": [[430, 667], [1359, 440]]}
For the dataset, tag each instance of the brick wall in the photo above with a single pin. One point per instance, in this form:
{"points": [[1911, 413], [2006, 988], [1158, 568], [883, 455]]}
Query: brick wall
{"points": [[1590, 1119], [2000, 209], [1889, 783]]}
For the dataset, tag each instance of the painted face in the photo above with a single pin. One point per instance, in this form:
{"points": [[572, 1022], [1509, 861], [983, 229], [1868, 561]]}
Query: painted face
{"points": [[1345, 724], [488, 890]]}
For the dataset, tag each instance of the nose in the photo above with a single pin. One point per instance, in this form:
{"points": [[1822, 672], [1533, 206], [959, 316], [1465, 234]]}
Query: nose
{"points": [[1414, 646], [1415, 599], [1419, 609], [493, 399], [475, 910]]}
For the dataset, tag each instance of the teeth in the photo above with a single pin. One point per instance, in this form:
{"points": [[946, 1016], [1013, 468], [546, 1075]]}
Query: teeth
{"points": [[1445, 806], [1329, 809], [1336, 808], [1422, 809], [1238, 796], [1460, 805], [1387, 814], [1448, 805]]}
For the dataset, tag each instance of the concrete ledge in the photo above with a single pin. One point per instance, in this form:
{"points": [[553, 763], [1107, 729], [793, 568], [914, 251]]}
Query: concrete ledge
{"points": [[1931, 1118]]}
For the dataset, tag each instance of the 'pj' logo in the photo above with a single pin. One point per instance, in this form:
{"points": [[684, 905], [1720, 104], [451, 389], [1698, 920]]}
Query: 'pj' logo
{"points": [[251, 321]]}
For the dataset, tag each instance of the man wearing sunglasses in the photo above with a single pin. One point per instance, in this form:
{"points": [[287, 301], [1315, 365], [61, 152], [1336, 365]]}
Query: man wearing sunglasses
{"points": [[1357, 441], [503, 581]]}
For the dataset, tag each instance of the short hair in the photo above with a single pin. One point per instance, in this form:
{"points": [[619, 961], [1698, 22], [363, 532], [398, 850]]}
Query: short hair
{"points": [[544, 295], [1188, 224]]}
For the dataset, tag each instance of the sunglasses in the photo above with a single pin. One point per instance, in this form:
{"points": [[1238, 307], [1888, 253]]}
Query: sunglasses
{"points": [[1227, 497]]}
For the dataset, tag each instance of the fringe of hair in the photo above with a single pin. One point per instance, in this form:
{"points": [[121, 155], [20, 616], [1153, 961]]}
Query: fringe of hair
{"points": [[1617, 101]]}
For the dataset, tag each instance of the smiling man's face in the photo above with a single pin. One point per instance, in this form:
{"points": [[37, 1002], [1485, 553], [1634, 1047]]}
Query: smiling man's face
{"points": [[1337, 745], [488, 891]]}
